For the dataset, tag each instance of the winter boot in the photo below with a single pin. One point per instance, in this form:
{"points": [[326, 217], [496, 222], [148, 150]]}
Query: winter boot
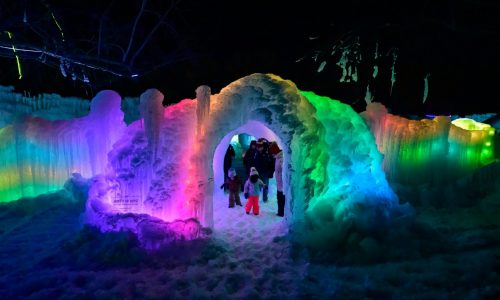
{"points": [[281, 204]]}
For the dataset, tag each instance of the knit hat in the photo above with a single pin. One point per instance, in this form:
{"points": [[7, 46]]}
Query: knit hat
{"points": [[274, 148], [253, 171], [231, 173]]}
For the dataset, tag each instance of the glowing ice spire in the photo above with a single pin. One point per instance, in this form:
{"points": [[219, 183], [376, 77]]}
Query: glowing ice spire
{"points": [[343, 64], [322, 66], [368, 96], [426, 87], [393, 71], [375, 67]]}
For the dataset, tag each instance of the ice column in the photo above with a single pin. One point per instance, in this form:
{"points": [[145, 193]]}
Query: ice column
{"points": [[151, 108]]}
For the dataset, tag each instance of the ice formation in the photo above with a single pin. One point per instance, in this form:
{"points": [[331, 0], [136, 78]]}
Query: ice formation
{"points": [[165, 164], [47, 106], [333, 179], [39, 155], [423, 151]]}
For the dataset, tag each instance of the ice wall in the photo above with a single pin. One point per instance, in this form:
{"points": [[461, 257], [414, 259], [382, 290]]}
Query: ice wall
{"points": [[47, 106], [53, 107], [333, 180], [39, 155], [136, 182], [352, 193], [428, 151]]}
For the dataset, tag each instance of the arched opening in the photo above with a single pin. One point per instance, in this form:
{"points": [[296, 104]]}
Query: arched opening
{"points": [[231, 219]]}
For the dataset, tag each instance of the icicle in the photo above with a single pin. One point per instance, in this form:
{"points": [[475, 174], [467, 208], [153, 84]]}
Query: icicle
{"points": [[426, 87], [203, 94], [355, 74], [343, 63], [393, 71], [151, 109], [316, 56], [368, 96], [322, 66], [62, 68]]}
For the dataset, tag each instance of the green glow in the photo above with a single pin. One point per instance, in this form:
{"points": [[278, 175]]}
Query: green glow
{"points": [[470, 124], [17, 57]]}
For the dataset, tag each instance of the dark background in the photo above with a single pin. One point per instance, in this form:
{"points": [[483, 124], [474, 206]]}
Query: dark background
{"points": [[457, 42]]}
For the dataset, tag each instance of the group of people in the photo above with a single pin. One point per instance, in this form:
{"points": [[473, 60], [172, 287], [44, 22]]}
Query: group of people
{"points": [[262, 161]]}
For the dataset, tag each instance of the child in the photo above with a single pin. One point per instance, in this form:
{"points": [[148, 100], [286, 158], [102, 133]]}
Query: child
{"points": [[252, 190], [233, 184]]}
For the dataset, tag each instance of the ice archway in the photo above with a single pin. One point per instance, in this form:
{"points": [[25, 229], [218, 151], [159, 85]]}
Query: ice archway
{"points": [[332, 170], [253, 128], [333, 178]]}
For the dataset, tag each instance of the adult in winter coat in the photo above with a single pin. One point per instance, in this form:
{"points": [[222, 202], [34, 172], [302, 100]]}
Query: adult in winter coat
{"points": [[228, 159], [264, 164], [275, 150], [248, 157], [252, 191]]}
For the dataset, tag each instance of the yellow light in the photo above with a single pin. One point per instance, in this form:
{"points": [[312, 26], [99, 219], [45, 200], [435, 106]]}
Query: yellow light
{"points": [[17, 57], [58, 26]]}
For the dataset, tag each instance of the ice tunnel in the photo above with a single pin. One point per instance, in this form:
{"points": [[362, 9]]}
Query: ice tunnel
{"points": [[332, 172], [251, 128]]}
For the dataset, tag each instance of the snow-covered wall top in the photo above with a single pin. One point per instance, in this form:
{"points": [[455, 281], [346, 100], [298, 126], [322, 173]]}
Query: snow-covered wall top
{"points": [[47, 106], [52, 107]]}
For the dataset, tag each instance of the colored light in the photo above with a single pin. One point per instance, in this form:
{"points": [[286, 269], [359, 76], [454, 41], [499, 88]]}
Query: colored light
{"points": [[58, 26], [17, 57]]}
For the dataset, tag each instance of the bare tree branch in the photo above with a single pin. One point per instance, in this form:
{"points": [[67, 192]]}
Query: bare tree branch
{"points": [[146, 40], [101, 22], [131, 40]]}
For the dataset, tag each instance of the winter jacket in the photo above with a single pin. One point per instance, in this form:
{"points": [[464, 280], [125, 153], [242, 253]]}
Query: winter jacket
{"points": [[253, 189], [233, 184], [263, 162], [248, 159], [278, 170]]}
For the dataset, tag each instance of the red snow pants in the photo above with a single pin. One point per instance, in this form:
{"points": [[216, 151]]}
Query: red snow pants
{"points": [[253, 201]]}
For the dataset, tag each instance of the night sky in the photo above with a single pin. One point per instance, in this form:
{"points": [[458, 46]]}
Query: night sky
{"points": [[456, 42]]}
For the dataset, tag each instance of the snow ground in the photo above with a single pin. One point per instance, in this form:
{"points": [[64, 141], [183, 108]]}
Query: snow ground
{"points": [[45, 254]]}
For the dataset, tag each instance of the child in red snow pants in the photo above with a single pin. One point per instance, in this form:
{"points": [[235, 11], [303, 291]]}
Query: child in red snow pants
{"points": [[253, 201]]}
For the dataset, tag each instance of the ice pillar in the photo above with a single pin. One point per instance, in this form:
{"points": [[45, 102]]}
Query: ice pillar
{"points": [[151, 107]]}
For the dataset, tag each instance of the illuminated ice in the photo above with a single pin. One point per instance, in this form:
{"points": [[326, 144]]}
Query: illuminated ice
{"points": [[333, 180], [39, 155]]}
